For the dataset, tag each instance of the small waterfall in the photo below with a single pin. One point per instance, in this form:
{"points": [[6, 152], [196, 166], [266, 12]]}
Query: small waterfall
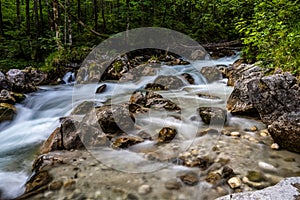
{"points": [[69, 78]]}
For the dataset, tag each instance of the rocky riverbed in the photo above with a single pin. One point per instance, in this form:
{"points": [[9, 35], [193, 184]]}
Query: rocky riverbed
{"points": [[163, 132]]}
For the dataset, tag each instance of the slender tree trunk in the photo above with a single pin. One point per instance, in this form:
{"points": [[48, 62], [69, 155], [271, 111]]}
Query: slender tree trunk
{"points": [[27, 18], [41, 16], [18, 14], [69, 24], [79, 14], [103, 15], [56, 24], [36, 18], [95, 15], [50, 15], [128, 14], [1, 21]]}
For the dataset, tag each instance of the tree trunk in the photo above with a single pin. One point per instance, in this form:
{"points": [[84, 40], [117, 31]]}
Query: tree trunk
{"points": [[103, 15], [41, 17], [27, 18], [128, 14], [79, 14], [69, 24], [1, 21], [36, 18], [18, 14], [50, 15], [56, 24], [95, 15]]}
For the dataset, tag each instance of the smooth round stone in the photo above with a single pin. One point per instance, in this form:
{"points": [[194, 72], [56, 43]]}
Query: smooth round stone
{"points": [[253, 128], [173, 184], [144, 189], [235, 134], [275, 146]]}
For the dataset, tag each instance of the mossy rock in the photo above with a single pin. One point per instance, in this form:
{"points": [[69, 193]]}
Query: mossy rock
{"points": [[7, 112]]}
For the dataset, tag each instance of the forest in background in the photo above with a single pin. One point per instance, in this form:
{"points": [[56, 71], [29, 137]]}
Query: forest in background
{"points": [[52, 33]]}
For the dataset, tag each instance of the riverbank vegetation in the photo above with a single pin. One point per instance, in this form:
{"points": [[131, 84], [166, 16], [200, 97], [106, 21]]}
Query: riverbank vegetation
{"points": [[52, 33]]}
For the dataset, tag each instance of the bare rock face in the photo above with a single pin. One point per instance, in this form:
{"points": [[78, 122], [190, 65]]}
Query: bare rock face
{"points": [[286, 131], [212, 115], [4, 83]]}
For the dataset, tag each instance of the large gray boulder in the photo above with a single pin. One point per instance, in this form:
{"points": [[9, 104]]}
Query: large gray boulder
{"points": [[286, 189], [274, 95], [20, 81], [286, 131]]}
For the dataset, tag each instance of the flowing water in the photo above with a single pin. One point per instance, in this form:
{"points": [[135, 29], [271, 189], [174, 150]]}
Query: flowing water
{"points": [[39, 115]]}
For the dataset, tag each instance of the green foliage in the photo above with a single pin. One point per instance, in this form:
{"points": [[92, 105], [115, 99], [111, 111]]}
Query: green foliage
{"points": [[272, 35]]}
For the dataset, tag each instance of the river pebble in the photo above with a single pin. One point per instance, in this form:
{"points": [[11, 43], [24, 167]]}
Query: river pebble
{"points": [[173, 184], [266, 166], [275, 146], [144, 189], [235, 134], [234, 182]]}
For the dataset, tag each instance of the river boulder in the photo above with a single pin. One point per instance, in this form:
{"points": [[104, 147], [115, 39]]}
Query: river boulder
{"points": [[6, 97], [20, 81], [169, 82], [274, 95], [211, 73], [239, 101], [213, 115], [286, 131], [7, 112], [4, 83]]}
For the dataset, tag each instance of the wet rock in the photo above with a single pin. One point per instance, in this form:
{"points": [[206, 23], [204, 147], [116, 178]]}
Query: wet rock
{"points": [[55, 185], [208, 96], [274, 95], [37, 77], [275, 146], [207, 131], [256, 185], [239, 101], [227, 172], [255, 176], [19, 97], [155, 86], [112, 119], [235, 134], [101, 89], [211, 74], [38, 180], [169, 82], [144, 189], [234, 182], [285, 131], [166, 135], [7, 112], [4, 83], [173, 184], [153, 100], [74, 135], [267, 167], [284, 190], [126, 141], [6, 97], [194, 160], [188, 78], [189, 178], [69, 184], [213, 177], [212, 115], [83, 108], [20, 81]]}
